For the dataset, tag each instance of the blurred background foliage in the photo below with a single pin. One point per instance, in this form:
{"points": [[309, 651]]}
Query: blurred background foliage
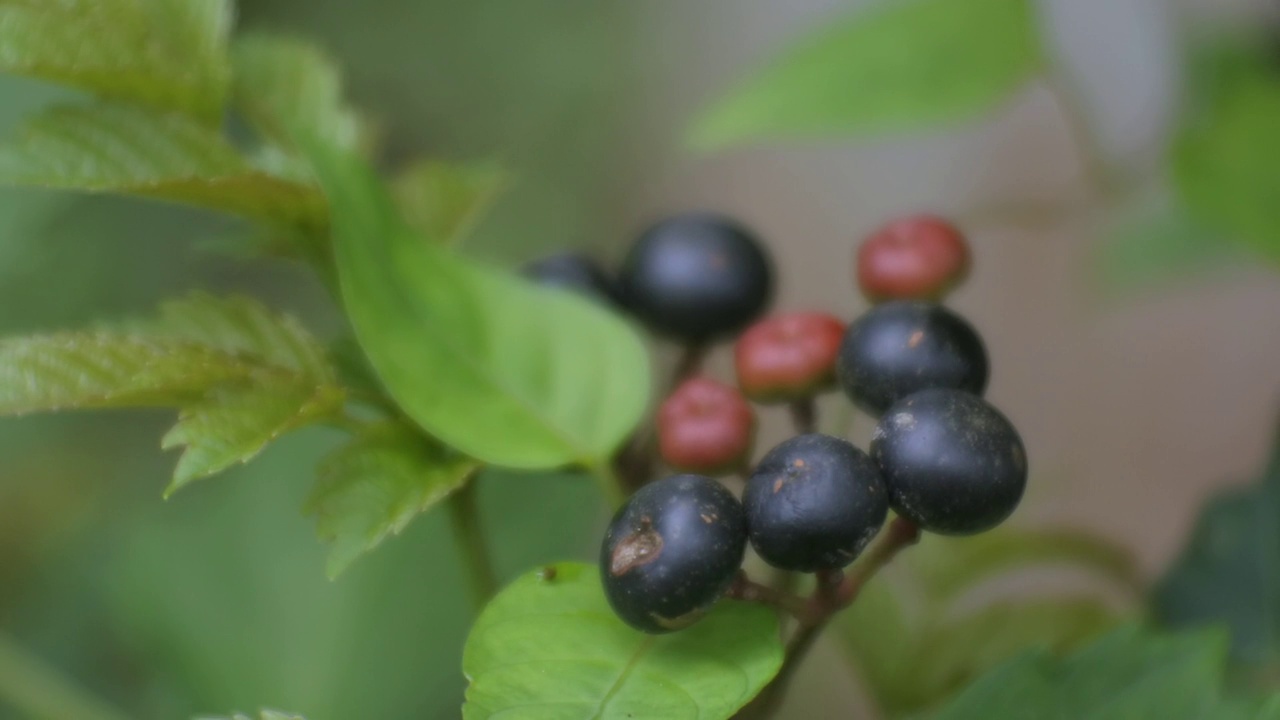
{"points": [[217, 599]]}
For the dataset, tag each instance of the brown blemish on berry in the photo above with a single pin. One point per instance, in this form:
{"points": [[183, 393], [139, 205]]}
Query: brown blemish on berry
{"points": [[637, 549], [777, 485], [708, 519], [915, 338], [798, 463]]}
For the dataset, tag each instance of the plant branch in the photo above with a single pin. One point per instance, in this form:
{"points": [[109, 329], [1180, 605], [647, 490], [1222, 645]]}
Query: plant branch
{"points": [[33, 688], [835, 591], [747, 590], [473, 551]]}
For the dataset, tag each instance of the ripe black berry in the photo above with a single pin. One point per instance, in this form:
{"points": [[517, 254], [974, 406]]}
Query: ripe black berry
{"points": [[902, 347], [671, 552], [697, 277], [574, 271], [814, 503], [953, 463]]}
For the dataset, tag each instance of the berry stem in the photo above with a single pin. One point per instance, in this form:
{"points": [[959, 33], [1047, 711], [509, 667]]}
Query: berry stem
{"points": [[835, 591], [804, 415], [473, 551], [688, 365], [747, 590]]}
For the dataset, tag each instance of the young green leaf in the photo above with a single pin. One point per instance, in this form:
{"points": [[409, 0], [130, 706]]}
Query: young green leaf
{"points": [[905, 64], [549, 647], [108, 147], [232, 425], [240, 375], [442, 201], [505, 371], [374, 486], [1227, 166], [1229, 572], [289, 88], [170, 54], [100, 370], [1127, 674]]}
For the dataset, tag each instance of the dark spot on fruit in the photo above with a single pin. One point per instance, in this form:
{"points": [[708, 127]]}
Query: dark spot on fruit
{"points": [[548, 574]]}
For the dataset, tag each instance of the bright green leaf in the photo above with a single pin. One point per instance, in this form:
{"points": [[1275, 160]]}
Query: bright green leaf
{"points": [[1229, 572], [503, 370], [374, 486], [289, 88], [233, 425], [549, 647], [1227, 166], [902, 64], [170, 54], [947, 567], [122, 149], [443, 201], [1127, 674], [99, 370]]}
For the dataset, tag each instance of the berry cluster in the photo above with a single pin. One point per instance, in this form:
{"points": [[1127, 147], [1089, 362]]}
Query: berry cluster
{"points": [[942, 458]]}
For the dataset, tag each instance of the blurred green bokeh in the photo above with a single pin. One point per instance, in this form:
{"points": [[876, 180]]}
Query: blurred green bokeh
{"points": [[217, 600]]}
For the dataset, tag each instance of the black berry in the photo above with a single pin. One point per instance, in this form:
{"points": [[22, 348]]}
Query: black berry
{"points": [[813, 503], [953, 463], [574, 271], [902, 347], [697, 277], [671, 552]]}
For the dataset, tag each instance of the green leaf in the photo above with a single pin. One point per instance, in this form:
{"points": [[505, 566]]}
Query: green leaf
{"points": [[377, 484], [1229, 572], [101, 370], [233, 425], [503, 370], [170, 54], [903, 64], [241, 376], [443, 201], [549, 647], [1226, 162], [1127, 674], [289, 88], [962, 649], [947, 567], [123, 149]]}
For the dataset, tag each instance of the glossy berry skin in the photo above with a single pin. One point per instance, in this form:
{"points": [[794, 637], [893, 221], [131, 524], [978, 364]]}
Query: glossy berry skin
{"points": [[788, 356], [574, 271], [954, 464], [914, 258], [671, 552], [697, 277], [814, 503], [902, 347], [706, 427]]}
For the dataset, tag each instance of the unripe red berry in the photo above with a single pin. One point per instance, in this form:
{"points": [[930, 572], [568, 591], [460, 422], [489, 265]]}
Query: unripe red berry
{"points": [[706, 427], [915, 258], [789, 356]]}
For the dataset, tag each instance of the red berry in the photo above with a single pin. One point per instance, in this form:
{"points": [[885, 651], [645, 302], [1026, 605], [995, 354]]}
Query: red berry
{"points": [[789, 356], [915, 258], [706, 427]]}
